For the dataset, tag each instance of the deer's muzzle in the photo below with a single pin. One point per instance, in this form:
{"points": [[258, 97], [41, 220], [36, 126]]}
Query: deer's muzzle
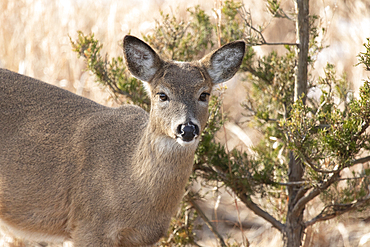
{"points": [[187, 132]]}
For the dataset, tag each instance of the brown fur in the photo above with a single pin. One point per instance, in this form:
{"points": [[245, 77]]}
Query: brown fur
{"points": [[71, 169]]}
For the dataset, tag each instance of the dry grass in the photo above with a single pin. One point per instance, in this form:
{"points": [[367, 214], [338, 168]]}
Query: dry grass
{"points": [[34, 41]]}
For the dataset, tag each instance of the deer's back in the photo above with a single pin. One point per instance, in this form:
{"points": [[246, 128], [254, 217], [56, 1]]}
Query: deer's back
{"points": [[51, 141], [32, 108]]}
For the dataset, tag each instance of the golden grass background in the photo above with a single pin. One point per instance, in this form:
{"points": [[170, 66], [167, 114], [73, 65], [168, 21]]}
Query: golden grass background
{"points": [[34, 41]]}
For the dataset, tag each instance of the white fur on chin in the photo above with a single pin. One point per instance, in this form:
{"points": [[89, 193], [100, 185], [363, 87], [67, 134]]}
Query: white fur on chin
{"points": [[193, 142]]}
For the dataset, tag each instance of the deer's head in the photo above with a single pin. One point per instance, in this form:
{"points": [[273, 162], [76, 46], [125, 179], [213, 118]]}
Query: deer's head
{"points": [[179, 91]]}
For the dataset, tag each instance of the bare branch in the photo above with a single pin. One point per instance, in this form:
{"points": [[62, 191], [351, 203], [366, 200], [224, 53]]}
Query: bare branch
{"points": [[260, 212], [352, 178], [301, 192], [316, 169], [337, 209], [244, 15], [314, 166], [310, 183], [252, 206], [274, 43], [207, 221], [361, 160], [295, 183]]}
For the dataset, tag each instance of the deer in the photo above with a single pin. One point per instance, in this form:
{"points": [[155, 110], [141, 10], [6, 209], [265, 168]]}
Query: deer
{"points": [[74, 170]]}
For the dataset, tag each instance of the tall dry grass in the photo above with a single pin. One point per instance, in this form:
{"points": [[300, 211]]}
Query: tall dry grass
{"points": [[34, 41]]}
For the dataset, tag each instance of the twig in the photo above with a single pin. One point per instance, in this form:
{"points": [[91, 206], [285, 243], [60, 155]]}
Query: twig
{"points": [[245, 240], [314, 166], [207, 221], [243, 13], [335, 177], [169, 239], [339, 209], [352, 178], [307, 182], [273, 43], [361, 160], [295, 183], [353, 162]]}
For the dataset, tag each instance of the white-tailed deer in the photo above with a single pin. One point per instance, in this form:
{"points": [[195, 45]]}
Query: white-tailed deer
{"points": [[71, 169]]}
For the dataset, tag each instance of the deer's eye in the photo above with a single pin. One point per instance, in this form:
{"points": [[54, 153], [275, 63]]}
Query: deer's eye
{"points": [[204, 97], [162, 96]]}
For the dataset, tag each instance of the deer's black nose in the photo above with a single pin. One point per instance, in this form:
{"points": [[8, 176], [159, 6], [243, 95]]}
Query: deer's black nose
{"points": [[187, 132]]}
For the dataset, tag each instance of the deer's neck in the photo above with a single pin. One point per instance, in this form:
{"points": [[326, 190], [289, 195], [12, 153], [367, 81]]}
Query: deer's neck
{"points": [[162, 168]]}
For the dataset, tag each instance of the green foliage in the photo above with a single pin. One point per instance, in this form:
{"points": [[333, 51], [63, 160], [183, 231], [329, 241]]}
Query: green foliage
{"points": [[364, 57], [273, 6], [231, 26], [269, 102], [180, 40], [272, 87], [329, 131], [112, 74], [181, 232], [314, 44], [330, 137]]}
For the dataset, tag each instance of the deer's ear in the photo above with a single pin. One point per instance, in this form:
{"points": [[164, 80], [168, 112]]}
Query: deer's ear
{"points": [[142, 61], [223, 63]]}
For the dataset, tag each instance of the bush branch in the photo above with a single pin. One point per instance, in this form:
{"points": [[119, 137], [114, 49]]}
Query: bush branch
{"points": [[273, 43], [315, 192], [361, 160], [260, 212], [244, 13], [337, 209]]}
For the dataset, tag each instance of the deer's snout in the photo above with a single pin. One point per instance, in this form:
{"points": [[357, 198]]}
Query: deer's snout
{"points": [[187, 132]]}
